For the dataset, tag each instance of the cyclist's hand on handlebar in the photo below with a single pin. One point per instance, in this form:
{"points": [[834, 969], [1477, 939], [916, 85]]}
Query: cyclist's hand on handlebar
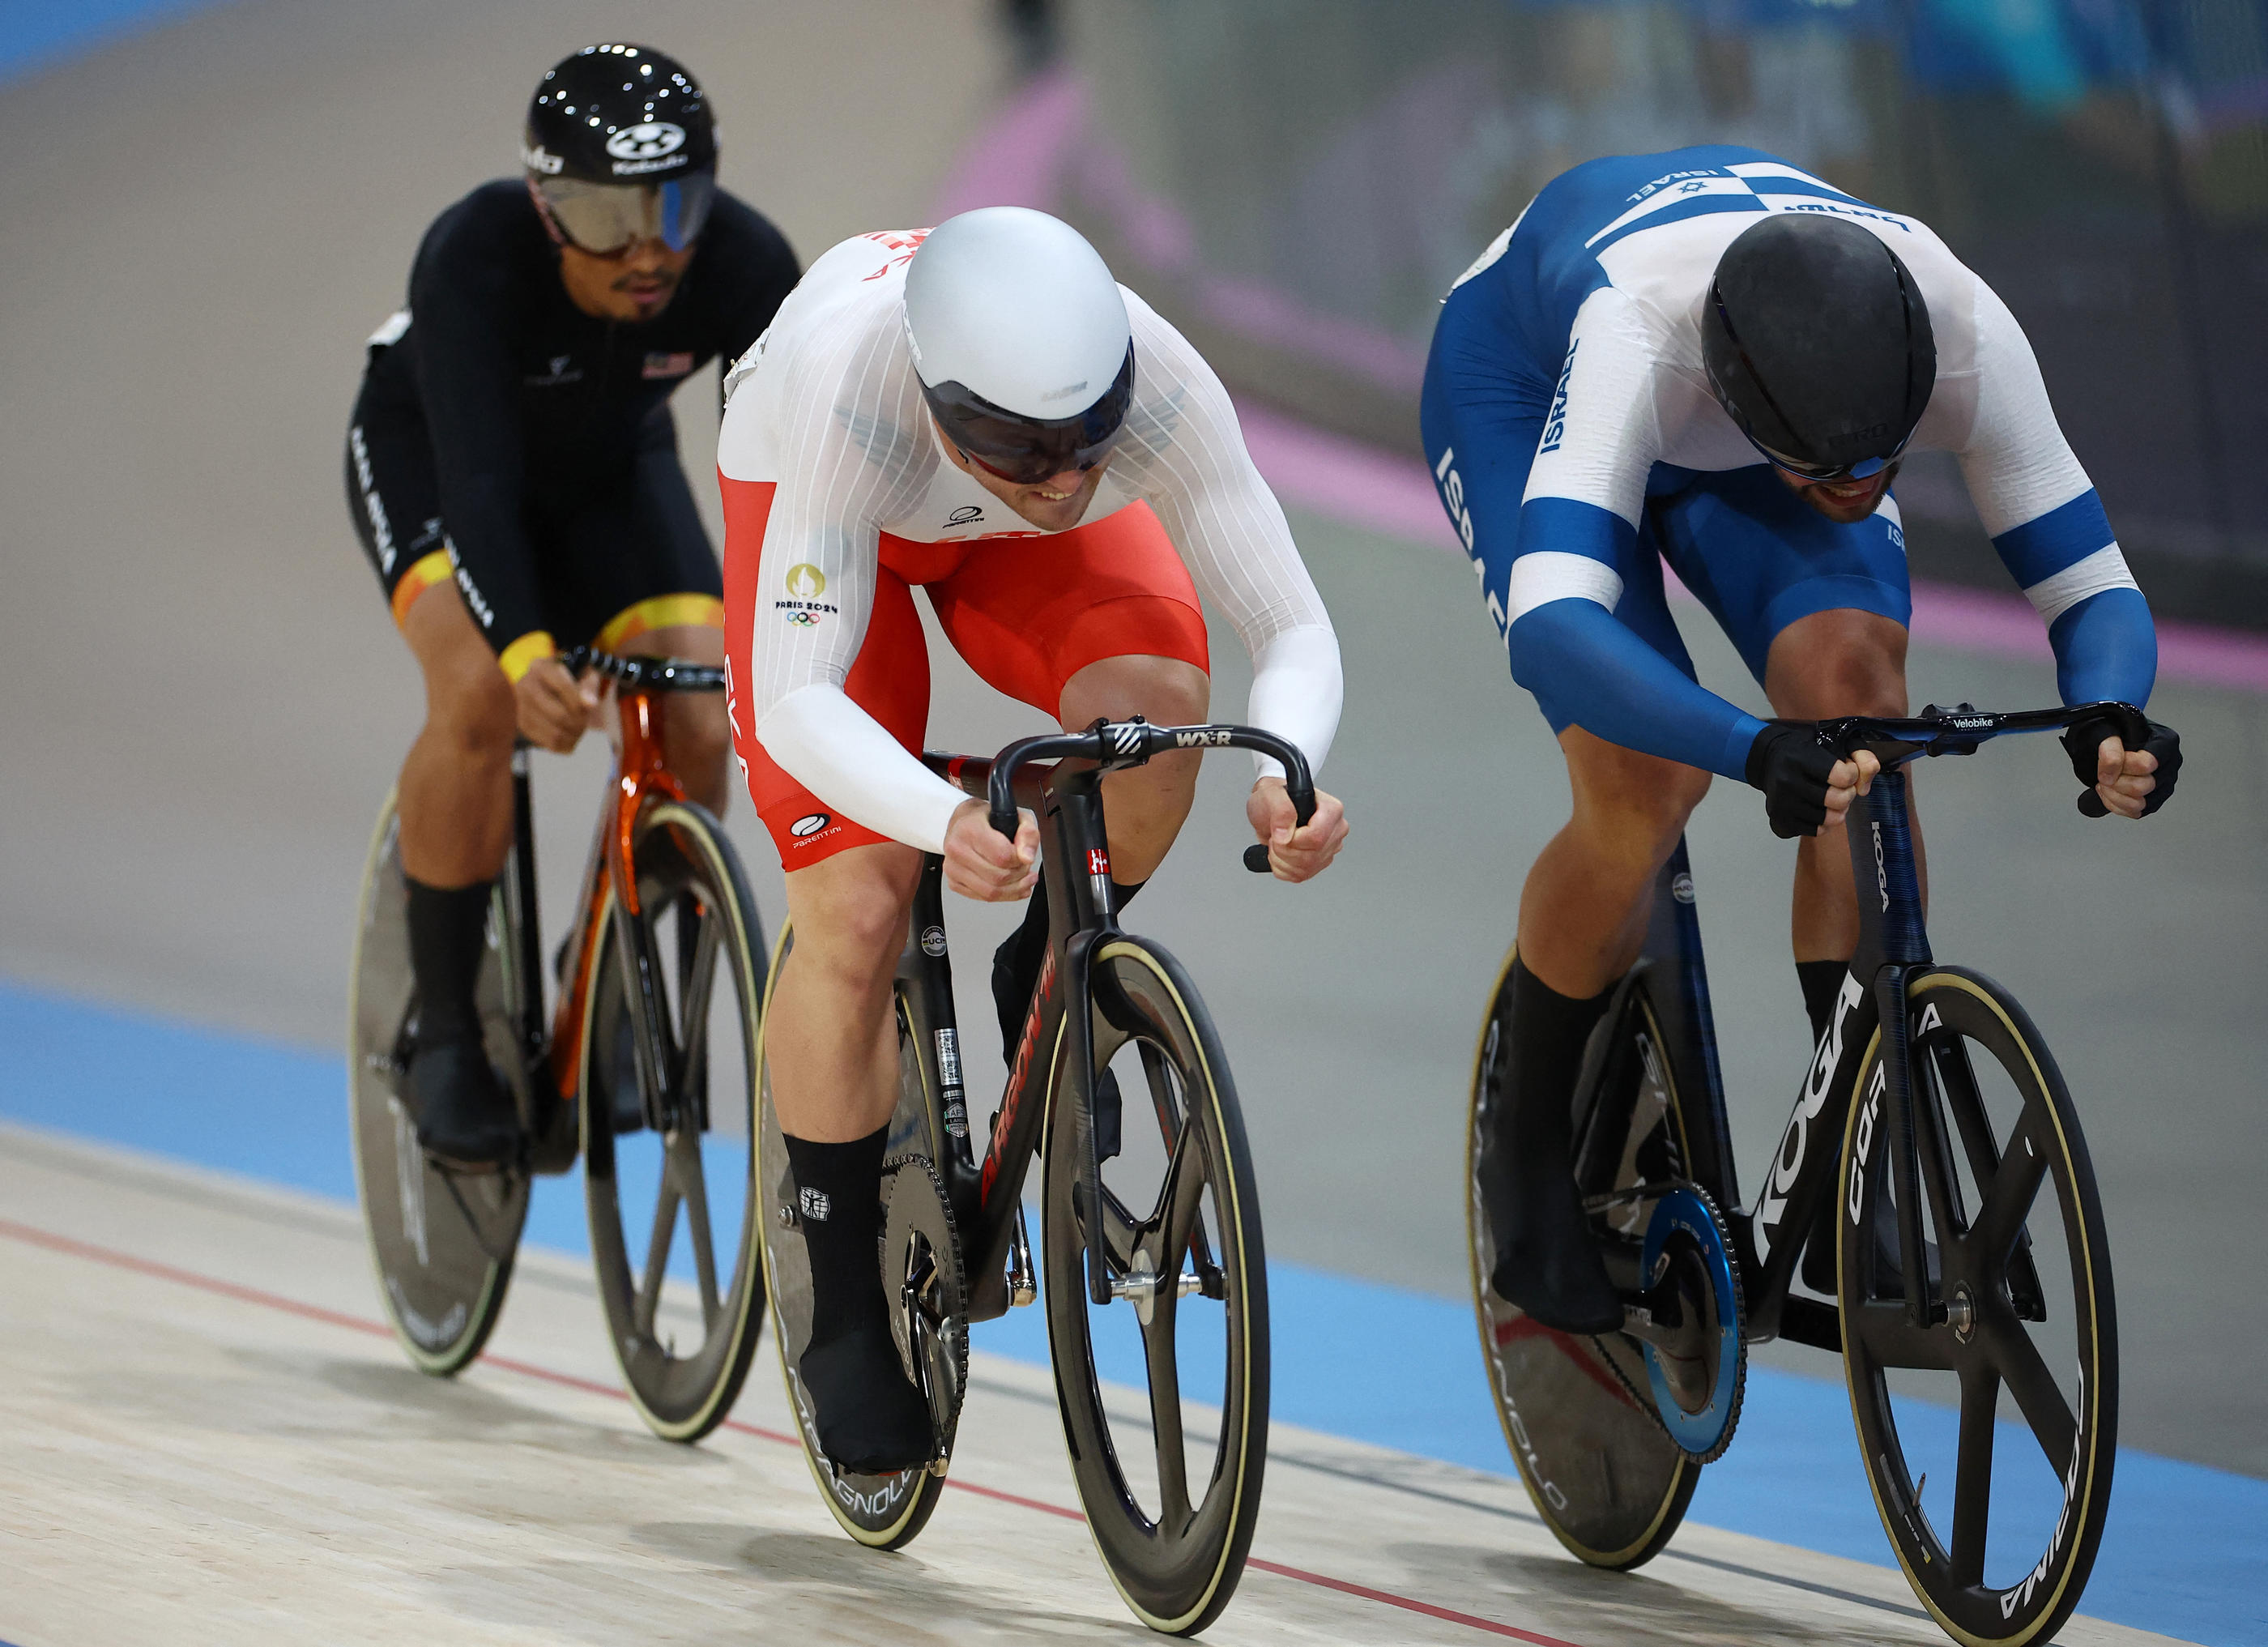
{"points": [[2132, 783], [1808, 789], [555, 708], [982, 863], [1296, 851]]}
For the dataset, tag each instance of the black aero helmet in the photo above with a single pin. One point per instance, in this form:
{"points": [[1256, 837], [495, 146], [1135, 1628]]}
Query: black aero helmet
{"points": [[1817, 341], [620, 146]]}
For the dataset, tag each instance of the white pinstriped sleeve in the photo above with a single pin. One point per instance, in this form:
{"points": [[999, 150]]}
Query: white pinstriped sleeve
{"points": [[1184, 453], [835, 429]]}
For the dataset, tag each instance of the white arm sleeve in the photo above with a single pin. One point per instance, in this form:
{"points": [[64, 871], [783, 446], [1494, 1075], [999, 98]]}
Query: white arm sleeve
{"points": [[835, 433], [1184, 451], [2016, 461]]}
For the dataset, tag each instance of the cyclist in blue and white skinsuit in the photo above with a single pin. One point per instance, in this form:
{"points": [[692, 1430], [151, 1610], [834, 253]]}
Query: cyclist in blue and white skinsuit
{"points": [[1711, 357]]}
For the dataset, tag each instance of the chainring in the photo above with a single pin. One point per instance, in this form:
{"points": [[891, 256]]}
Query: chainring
{"points": [[927, 1291], [1687, 1230]]}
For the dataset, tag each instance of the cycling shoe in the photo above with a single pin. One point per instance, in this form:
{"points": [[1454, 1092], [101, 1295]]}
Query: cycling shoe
{"points": [[870, 1419], [465, 1114], [1547, 1261]]}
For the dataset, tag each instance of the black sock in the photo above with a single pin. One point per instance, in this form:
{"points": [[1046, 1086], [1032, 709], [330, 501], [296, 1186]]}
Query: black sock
{"points": [[838, 1204], [1822, 982], [1016, 962], [1546, 1261], [1549, 1033], [448, 935]]}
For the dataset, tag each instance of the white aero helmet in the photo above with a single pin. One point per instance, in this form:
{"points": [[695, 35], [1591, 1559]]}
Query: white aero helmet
{"points": [[1020, 339]]}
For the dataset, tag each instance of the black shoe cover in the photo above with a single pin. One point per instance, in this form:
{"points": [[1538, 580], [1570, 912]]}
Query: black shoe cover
{"points": [[464, 1116], [870, 1418], [1547, 1261]]}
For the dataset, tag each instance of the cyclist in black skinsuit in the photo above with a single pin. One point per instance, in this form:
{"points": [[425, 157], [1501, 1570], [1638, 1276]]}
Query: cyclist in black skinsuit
{"points": [[512, 471]]}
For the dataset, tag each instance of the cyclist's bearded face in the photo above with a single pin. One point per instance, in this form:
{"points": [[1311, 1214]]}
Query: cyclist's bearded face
{"points": [[1055, 505], [1844, 502], [634, 285]]}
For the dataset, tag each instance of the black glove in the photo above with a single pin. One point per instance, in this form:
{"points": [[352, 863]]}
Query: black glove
{"points": [[1790, 765], [2083, 743]]}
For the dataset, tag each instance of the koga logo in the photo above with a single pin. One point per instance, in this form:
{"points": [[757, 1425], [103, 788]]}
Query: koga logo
{"points": [[1787, 1166], [805, 828], [1876, 1087], [1200, 736], [813, 1204], [806, 580], [1453, 495], [648, 140], [1555, 424], [968, 514], [1881, 869]]}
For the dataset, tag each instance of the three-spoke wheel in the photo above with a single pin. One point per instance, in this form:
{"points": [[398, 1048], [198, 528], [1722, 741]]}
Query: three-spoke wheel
{"points": [[1996, 1424], [1171, 1483], [665, 1078]]}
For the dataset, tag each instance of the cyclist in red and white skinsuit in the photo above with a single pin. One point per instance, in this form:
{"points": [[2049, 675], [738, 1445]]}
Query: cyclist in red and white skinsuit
{"points": [[1063, 475]]}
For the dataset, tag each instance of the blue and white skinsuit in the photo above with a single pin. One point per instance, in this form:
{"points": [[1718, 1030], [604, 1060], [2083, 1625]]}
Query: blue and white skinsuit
{"points": [[1576, 445]]}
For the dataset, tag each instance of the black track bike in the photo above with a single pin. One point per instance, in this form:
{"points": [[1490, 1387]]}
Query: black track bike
{"points": [[1151, 1262], [644, 1073], [1930, 1215]]}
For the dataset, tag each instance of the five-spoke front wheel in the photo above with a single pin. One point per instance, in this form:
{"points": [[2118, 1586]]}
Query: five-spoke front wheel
{"points": [[1989, 1435], [1164, 1389], [666, 1086]]}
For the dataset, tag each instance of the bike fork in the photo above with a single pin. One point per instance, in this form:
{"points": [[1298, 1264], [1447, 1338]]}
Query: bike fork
{"points": [[1891, 928]]}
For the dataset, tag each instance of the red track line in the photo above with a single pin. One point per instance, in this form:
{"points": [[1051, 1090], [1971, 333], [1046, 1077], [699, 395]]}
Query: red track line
{"points": [[240, 1293]]}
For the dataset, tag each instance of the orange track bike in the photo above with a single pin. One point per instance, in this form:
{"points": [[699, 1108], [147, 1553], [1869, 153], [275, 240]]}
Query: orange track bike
{"points": [[644, 1070]]}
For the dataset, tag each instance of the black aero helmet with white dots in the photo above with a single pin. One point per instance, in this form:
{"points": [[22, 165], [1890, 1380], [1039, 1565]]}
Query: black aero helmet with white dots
{"points": [[621, 145], [1818, 343]]}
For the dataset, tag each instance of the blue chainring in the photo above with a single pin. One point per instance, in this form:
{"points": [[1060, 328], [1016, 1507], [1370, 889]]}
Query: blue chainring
{"points": [[1704, 1433]]}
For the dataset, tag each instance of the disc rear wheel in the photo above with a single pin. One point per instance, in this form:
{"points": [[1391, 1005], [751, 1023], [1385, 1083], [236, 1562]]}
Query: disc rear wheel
{"points": [[442, 1242], [881, 1511], [1603, 1473]]}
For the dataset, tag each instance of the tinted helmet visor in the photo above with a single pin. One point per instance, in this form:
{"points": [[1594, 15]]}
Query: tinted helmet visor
{"points": [[606, 219], [1029, 450]]}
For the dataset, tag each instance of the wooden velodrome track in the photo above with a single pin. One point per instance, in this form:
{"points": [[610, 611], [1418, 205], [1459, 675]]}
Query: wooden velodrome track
{"points": [[211, 1437]]}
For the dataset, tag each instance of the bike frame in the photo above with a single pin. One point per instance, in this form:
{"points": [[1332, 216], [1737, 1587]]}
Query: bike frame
{"points": [[641, 775], [1769, 1237], [987, 1195]]}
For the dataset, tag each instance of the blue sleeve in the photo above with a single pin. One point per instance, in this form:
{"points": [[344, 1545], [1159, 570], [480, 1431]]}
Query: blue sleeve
{"points": [[2106, 647], [1587, 668], [2105, 644]]}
